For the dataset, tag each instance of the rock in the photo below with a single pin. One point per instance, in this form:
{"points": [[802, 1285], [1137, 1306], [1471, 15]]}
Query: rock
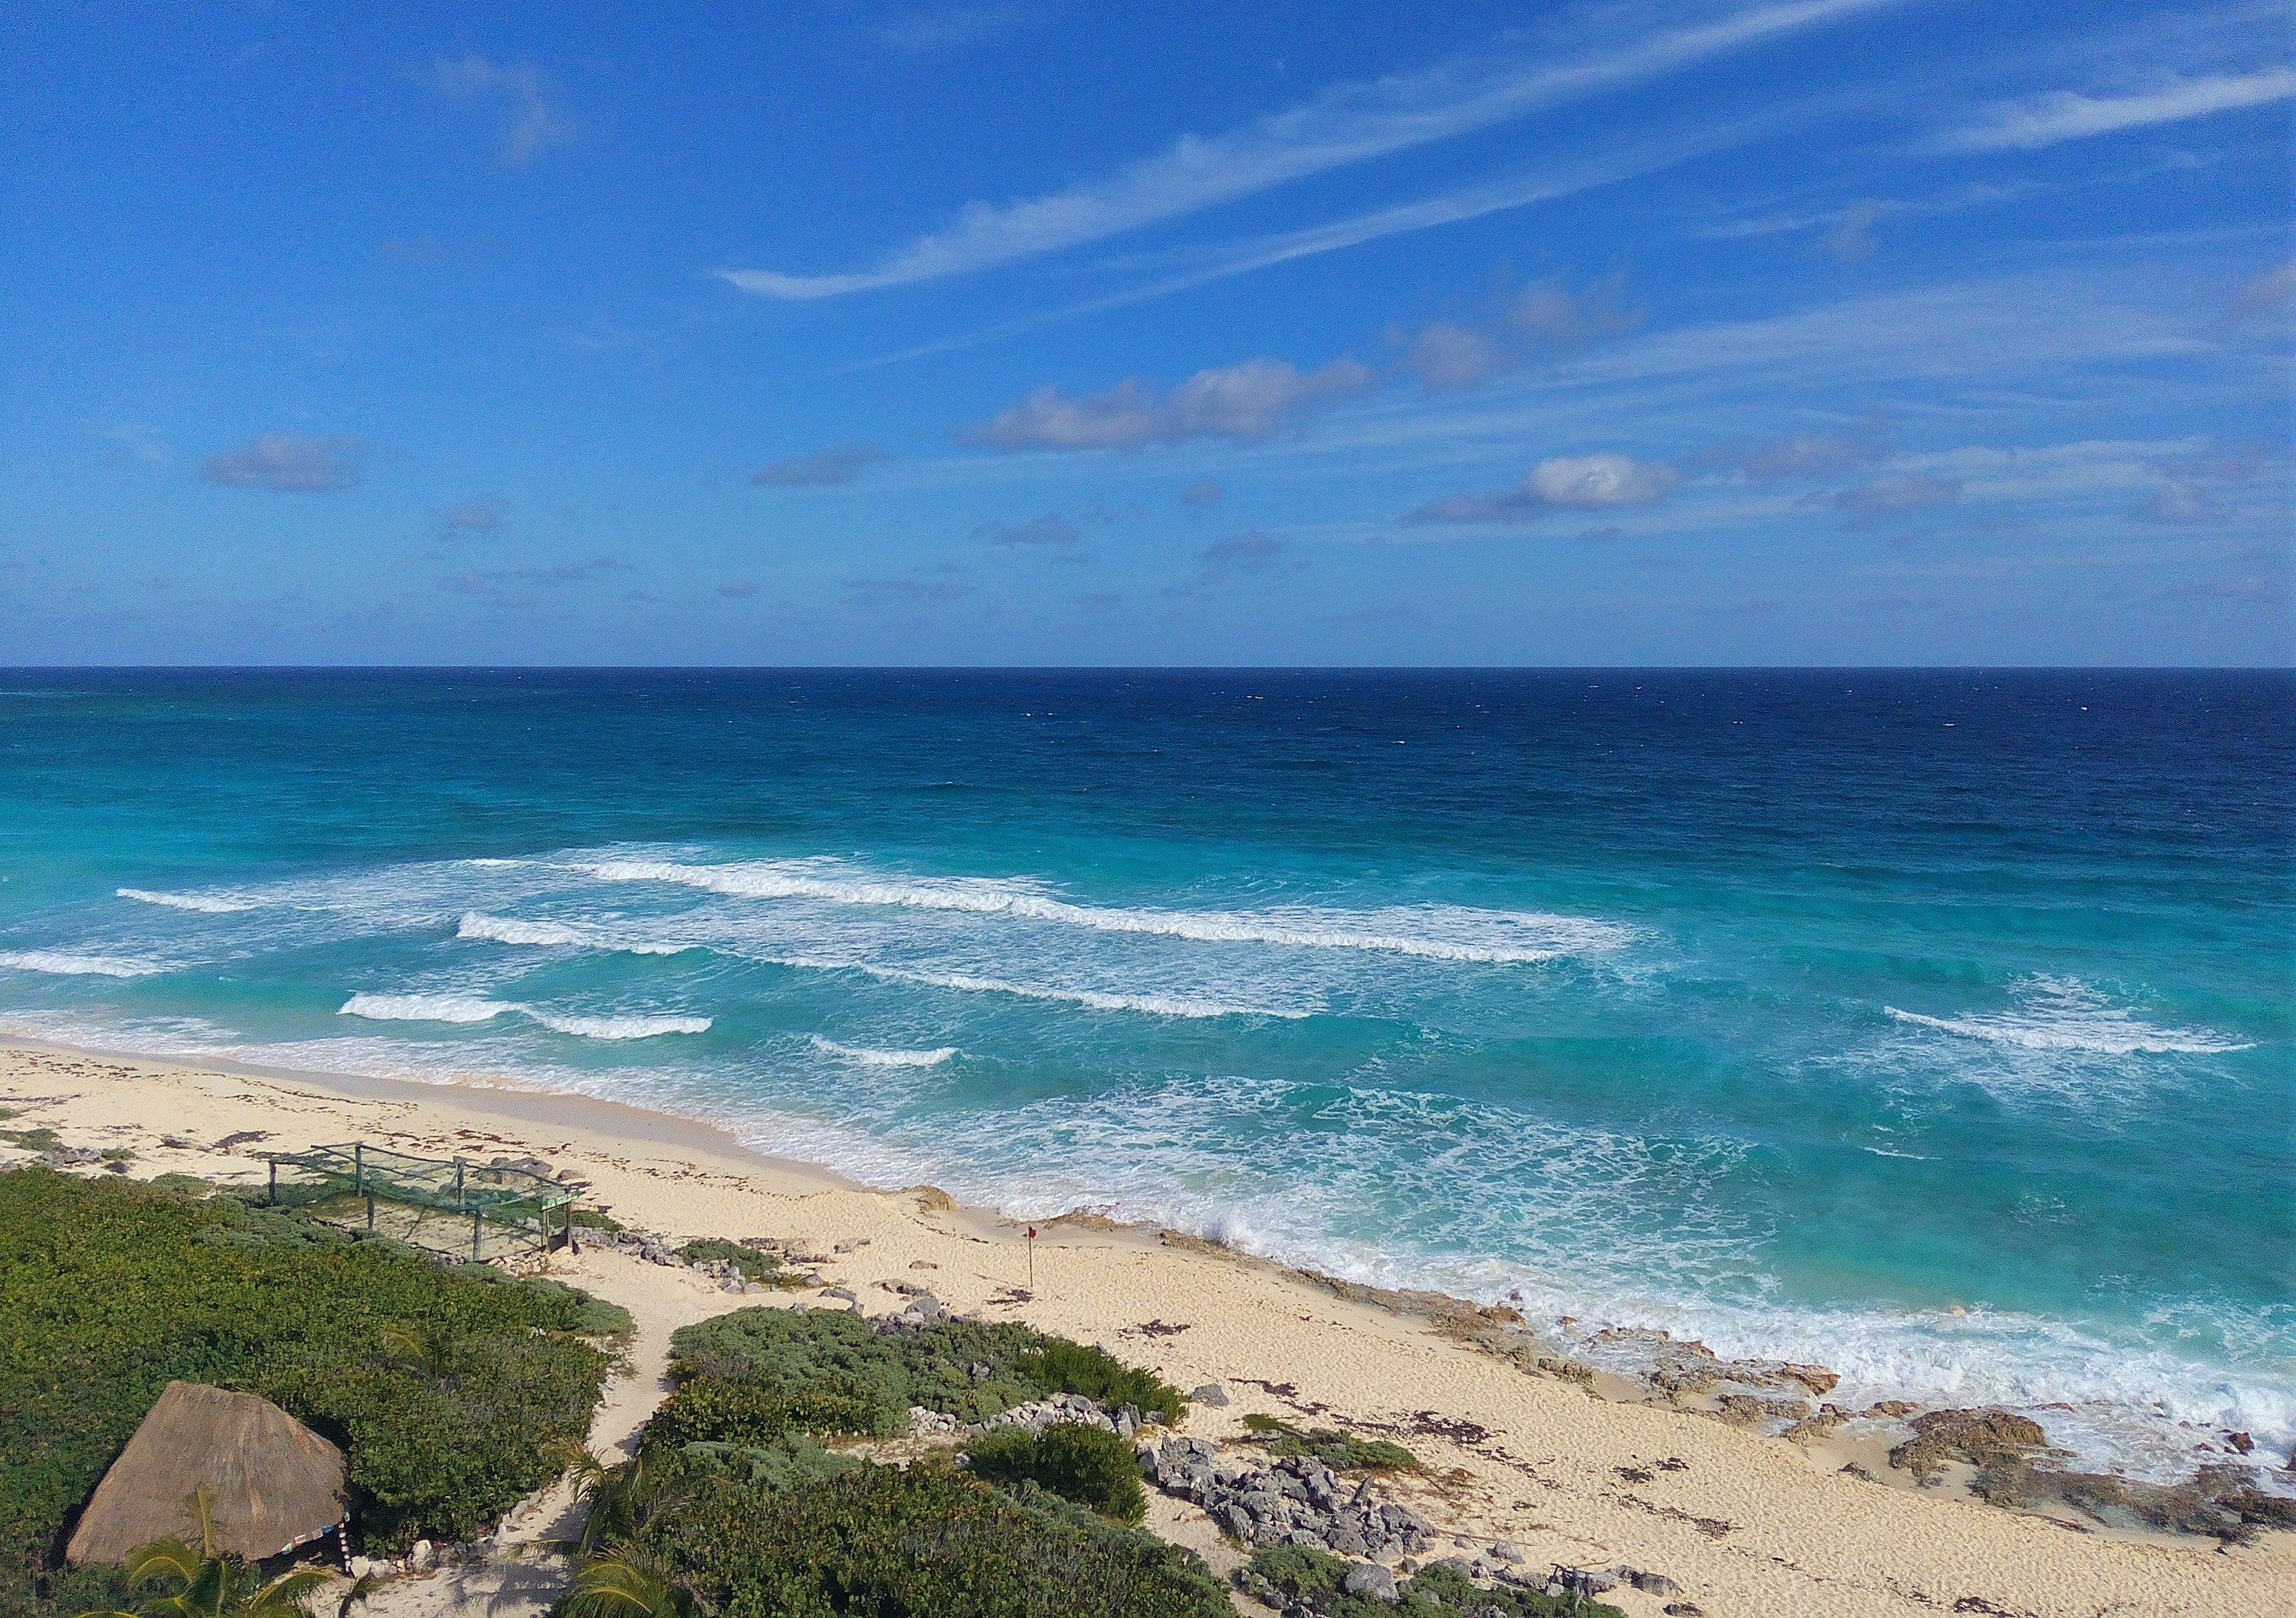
{"points": [[1683, 1609], [1404, 1519], [923, 1264], [361, 1566], [1210, 1394], [851, 1245], [424, 1556], [1346, 1541], [1236, 1519], [1983, 1438], [1746, 1411], [1650, 1584], [845, 1292], [1126, 1423], [1507, 1550], [2241, 1443], [1370, 1578]]}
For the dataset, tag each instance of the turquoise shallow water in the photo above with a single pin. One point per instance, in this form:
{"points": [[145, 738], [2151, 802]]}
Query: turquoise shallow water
{"points": [[1934, 1026]]}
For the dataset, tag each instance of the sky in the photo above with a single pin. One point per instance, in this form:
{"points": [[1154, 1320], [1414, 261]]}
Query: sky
{"points": [[1711, 332]]}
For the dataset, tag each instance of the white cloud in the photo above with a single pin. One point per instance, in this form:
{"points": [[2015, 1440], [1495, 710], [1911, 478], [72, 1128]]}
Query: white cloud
{"points": [[1248, 400], [535, 124], [2068, 115], [1347, 124], [1447, 356], [290, 463], [1591, 482], [1580, 483]]}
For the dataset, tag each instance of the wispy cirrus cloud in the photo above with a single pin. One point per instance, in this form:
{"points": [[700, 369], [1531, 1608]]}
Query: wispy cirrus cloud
{"points": [[535, 122], [1345, 123], [2069, 115], [1250, 399]]}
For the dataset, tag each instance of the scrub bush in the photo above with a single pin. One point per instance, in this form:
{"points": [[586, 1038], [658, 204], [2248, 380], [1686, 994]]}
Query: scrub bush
{"points": [[446, 1387], [1088, 1464]]}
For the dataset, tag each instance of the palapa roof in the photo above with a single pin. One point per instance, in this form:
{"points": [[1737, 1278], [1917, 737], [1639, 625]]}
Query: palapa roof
{"points": [[271, 1483]]}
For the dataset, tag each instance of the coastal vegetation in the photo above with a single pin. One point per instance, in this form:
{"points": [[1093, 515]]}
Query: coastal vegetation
{"points": [[740, 1502], [1299, 1579], [451, 1389]]}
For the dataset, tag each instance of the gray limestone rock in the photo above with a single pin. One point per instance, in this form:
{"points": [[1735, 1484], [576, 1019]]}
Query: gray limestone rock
{"points": [[1370, 1578]]}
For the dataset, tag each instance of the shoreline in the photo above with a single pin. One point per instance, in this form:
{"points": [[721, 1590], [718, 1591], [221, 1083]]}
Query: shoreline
{"points": [[1548, 1455]]}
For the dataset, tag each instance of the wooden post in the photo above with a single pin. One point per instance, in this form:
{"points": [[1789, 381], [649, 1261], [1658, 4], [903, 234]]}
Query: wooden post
{"points": [[273, 1199], [370, 1210], [458, 1182], [358, 1167], [474, 1235]]}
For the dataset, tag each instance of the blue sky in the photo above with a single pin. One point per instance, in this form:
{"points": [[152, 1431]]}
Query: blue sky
{"points": [[1809, 331]]}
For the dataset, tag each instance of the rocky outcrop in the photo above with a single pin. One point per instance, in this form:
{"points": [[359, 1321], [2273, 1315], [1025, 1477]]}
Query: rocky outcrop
{"points": [[1297, 1500], [1983, 1438]]}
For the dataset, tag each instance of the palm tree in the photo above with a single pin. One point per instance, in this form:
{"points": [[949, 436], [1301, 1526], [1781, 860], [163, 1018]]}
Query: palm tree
{"points": [[213, 1583], [629, 1583]]}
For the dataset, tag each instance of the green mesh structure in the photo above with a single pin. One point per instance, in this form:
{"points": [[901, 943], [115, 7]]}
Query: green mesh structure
{"points": [[447, 1204]]}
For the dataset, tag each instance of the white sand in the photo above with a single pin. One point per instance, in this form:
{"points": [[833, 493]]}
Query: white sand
{"points": [[1748, 1525]]}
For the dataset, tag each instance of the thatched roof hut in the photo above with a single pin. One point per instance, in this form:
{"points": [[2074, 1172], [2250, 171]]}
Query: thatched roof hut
{"points": [[273, 1483]]}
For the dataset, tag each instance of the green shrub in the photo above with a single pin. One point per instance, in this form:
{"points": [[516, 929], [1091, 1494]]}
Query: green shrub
{"points": [[763, 1267], [109, 1289], [1088, 1464], [971, 1370], [922, 1543], [1341, 1451], [711, 1409], [593, 1219]]}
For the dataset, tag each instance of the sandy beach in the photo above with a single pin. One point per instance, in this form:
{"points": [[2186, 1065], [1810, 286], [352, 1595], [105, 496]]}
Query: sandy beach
{"points": [[1746, 1525]]}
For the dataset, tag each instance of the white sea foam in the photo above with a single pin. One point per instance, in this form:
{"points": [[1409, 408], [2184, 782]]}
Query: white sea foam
{"points": [[864, 1057], [1153, 1005], [425, 1008], [62, 965], [510, 929], [1437, 932], [212, 905], [473, 1009], [618, 1028], [2065, 1014]]}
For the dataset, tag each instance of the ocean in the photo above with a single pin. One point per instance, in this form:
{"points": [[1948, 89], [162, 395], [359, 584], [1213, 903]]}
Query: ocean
{"points": [[1932, 1026]]}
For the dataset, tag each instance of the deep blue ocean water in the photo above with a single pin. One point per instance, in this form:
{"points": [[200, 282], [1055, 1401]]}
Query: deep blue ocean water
{"points": [[1936, 1026]]}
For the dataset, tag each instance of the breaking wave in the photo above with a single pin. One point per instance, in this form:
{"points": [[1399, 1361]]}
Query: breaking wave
{"points": [[76, 965], [864, 1056], [2065, 1014], [212, 904], [472, 1009], [1435, 932]]}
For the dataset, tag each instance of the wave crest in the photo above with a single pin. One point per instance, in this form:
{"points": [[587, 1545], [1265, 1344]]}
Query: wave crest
{"points": [[210, 904], [864, 1057], [474, 1008], [2065, 1014], [1435, 932], [76, 965]]}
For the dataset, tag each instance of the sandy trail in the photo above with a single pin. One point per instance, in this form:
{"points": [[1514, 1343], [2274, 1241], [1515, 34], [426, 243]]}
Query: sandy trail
{"points": [[1749, 1526]]}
